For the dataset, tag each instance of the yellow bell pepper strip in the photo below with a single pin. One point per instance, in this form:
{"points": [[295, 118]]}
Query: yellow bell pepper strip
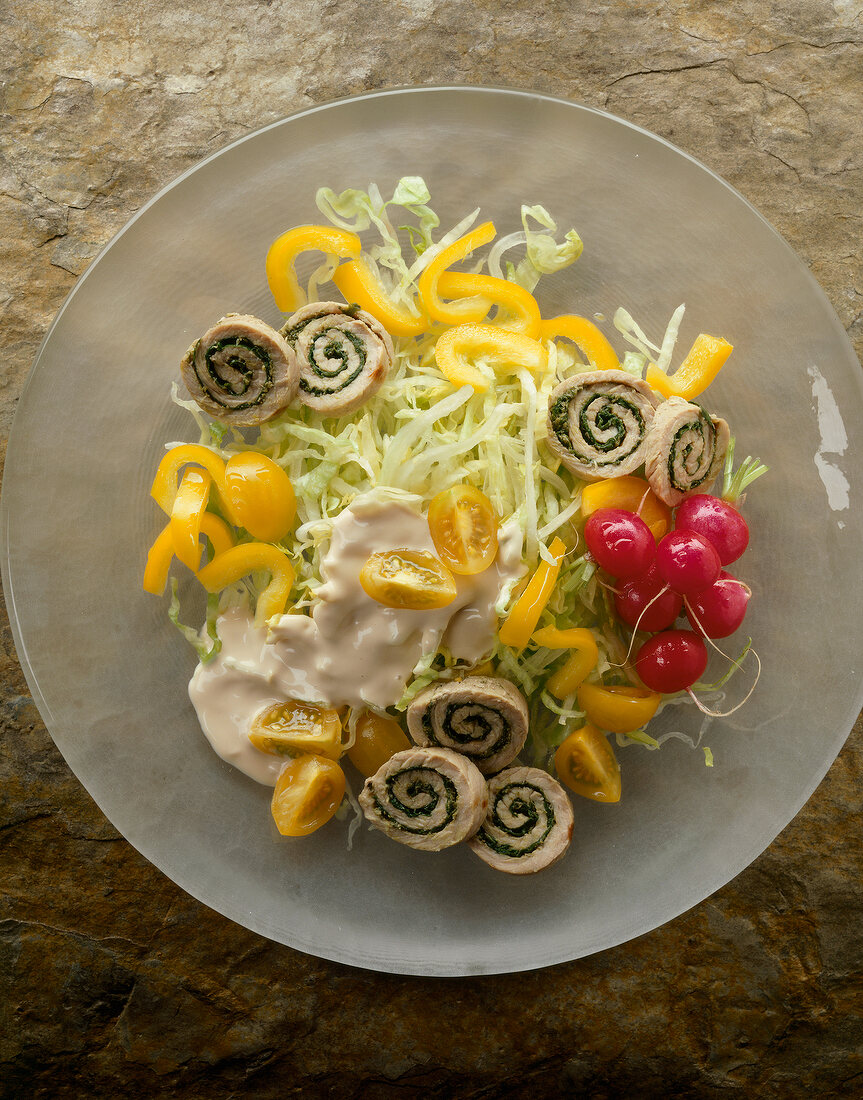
{"points": [[458, 345], [357, 283], [632, 494], [704, 361], [618, 709], [308, 792], [164, 488], [566, 679], [586, 763], [161, 553], [521, 622], [294, 727], [585, 335], [190, 504], [249, 557], [454, 313], [378, 738], [519, 303], [285, 249], [259, 495]]}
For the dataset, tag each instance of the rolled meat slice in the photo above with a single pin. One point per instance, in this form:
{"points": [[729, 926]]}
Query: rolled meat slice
{"points": [[685, 450], [344, 354], [598, 422], [482, 717], [426, 798], [528, 825], [241, 371]]}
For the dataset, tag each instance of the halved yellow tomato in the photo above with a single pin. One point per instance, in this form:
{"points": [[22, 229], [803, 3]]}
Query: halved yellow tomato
{"points": [[619, 708], [411, 579], [308, 792], [632, 494], [378, 738], [586, 763], [294, 728], [260, 496], [463, 528]]}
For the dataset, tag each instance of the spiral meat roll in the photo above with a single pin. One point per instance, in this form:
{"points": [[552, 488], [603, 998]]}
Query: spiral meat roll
{"points": [[598, 422], [241, 371], [528, 825], [344, 355], [685, 450], [482, 717], [426, 798]]}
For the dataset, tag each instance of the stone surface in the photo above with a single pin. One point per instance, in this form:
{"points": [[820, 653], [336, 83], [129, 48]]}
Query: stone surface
{"points": [[112, 981]]}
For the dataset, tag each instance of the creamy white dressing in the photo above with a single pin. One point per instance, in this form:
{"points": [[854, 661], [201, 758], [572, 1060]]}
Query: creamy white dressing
{"points": [[351, 650]]}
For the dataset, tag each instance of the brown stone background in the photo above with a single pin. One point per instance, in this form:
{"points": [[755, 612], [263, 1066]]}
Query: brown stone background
{"points": [[112, 981]]}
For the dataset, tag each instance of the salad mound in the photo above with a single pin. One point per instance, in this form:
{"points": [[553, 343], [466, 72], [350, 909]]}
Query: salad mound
{"points": [[442, 535]]}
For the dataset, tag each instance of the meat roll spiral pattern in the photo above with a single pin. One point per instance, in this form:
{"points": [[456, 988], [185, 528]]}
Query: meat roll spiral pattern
{"points": [[685, 450], [241, 371], [529, 822], [344, 354], [598, 422], [481, 716], [426, 798]]}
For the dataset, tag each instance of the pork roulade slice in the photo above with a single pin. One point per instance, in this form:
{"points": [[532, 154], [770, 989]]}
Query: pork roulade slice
{"points": [[344, 355], [528, 825], [241, 371], [598, 422], [483, 717], [685, 450], [426, 798]]}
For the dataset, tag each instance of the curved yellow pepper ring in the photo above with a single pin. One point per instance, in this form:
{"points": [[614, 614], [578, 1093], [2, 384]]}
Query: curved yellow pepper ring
{"points": [[704, 361], [249, 557], [632, 494], [284, 250], [585, 335], [566, 679], [618, 709], [454, 313], [161, 553], [190, 504], [518, 302], [458, 345], [164, 488], [521, 622], [259, 496], [357, 283]]}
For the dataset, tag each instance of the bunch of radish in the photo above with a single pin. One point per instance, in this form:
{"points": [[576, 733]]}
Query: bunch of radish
{"points": [[683, 573]]}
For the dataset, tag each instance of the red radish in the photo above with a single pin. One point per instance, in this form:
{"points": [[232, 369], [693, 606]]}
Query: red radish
{"points": [[633, 597], [671, 661], [687, 562], [718, 521], [619, 542], [718, 611]]}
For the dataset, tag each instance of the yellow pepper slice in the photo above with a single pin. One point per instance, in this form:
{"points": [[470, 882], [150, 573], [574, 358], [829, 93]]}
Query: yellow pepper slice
{"points": [[632, 494], [704, 361], [308, 792], [454, 313], [161, 553], [618, 709], [285, 249], [586, 763], [295, 727], [378, 738], [164, 488], [457, 346], [585, 335], [519, 303], [521, 622], [186, 515], [566, 679], [357, 283], [249, 557], [259, 495]]}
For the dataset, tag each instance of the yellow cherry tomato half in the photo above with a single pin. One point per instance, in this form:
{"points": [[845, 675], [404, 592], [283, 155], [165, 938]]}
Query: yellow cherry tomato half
{"points": [[620, 709], [586, 763], [260, 496], [411, 579], [293, 728], [378, 737], [308, 792], [463, 528], [632, 494]]}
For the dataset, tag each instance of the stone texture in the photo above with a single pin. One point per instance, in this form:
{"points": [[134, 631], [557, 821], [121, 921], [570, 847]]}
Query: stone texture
{"points": [[112, 981]]}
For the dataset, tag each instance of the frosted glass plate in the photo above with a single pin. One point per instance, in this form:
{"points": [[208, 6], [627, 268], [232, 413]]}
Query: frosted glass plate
{"points": [[109, 672]]}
